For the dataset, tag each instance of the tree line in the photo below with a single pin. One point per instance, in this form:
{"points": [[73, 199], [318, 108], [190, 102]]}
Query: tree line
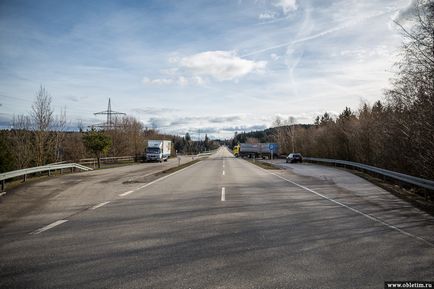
{"points": [[41, 138], [396, 133]]}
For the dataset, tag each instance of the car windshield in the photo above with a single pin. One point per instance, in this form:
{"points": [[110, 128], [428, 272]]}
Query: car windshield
{"points": [[153, 150]]}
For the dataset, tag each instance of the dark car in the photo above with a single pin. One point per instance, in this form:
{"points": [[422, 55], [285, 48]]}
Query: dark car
{"points": [[294, 158]]}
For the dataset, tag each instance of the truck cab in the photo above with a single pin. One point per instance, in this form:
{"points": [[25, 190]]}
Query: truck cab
{"points": [[158, 150], [153, 154], [236, 151]]}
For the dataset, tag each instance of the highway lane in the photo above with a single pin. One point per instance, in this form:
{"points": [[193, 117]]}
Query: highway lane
{"points": [[359, 193], [267, 233], [34, 204]]}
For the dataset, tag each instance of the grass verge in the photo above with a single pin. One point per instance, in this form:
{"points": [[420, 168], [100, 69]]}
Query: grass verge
{"points": [[409, 195], [174, 169], [155, 175], [17, 182], [266, 166]]}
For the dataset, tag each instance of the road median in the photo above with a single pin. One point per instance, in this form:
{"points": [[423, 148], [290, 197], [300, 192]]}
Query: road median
{"points": [[264, 165]]}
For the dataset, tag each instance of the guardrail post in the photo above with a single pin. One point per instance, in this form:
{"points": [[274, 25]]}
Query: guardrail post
{"points": [[25, 178], [49, 172], [3, 185]]}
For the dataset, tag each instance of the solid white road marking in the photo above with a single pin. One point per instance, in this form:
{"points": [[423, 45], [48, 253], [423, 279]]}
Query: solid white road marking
{"points": [[223, 195], [357, 211], [223, 173], [165, 177], [144, 176], [99, 205], [48, 227], [125, 194]]}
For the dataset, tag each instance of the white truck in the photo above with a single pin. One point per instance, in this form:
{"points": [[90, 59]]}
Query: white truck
{"points": [[158, 150]]}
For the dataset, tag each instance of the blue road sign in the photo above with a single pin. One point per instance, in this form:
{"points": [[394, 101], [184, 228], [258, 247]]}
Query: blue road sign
{"points": [[271, 147]]}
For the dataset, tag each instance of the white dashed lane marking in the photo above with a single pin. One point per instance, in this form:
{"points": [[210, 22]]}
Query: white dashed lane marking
{"points": [[48, 227], [223, 195], [99, 205]]}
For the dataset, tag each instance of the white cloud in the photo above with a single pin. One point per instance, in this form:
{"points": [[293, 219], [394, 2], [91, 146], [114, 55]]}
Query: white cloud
{"points": [[274, 56], [182, 81], [221, 65], [197, 80], [158, 81], [362, 55], [267, 15], [286, 5], [179, 80], [169, 71]]}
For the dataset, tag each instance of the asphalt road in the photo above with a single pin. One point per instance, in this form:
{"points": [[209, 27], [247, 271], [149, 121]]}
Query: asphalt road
{"points": [[37, 202], [222, 223]]}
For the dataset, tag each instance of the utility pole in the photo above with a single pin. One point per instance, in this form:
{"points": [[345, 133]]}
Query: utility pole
{"points": [[110, 123]]}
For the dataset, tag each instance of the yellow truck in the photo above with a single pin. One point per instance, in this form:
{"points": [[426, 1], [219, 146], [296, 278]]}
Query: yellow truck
{"points": [[236, 151]]}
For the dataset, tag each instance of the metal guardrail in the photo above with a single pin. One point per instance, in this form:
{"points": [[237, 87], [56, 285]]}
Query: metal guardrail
{"points": [[105, 160], [419, 182], [124, 158], [49, 168]]}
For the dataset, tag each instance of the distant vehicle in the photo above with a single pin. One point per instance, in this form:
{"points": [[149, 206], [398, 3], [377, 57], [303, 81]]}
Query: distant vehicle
{"points": [[259, 150], [294, 158], [158, 150]]}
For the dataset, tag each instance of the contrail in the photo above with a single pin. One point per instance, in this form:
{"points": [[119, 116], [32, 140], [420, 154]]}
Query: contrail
{"points": [[320, 34]]}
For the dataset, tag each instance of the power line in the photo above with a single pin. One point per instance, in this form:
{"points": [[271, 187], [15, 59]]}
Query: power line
{"points": [[111, 117]]}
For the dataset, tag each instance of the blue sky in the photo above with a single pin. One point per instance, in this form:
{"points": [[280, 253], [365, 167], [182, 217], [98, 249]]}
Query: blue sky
{"points": [[181, 66]]}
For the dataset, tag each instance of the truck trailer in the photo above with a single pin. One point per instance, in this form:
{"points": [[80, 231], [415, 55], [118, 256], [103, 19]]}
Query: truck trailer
{"points": [[259, 150], [158, 150]]}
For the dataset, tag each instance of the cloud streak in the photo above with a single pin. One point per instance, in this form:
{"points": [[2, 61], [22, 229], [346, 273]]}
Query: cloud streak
{"points": [[320, 34]]}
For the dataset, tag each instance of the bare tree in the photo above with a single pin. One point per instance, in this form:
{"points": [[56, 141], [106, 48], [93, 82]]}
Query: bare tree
{"points": [[59, 127], [22, 141], [42, 117], [128, 137], [285, 133], [291, 126], [73, 146], [411, 97]]}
